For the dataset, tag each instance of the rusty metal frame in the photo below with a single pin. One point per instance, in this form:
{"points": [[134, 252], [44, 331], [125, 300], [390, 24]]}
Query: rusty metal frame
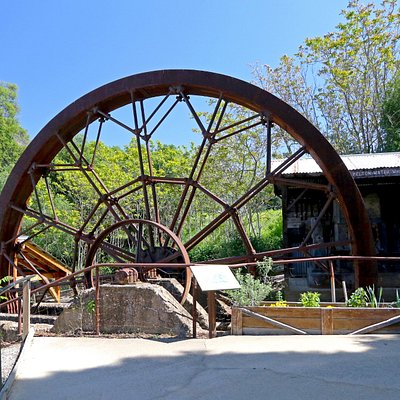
{"points": [[268, 110]]}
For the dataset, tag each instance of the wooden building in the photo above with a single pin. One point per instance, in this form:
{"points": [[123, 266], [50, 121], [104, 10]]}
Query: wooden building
{"points": [[378, 178]]}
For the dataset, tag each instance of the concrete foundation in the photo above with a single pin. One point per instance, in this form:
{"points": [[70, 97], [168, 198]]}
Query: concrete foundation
{"points": [[137, 308]]}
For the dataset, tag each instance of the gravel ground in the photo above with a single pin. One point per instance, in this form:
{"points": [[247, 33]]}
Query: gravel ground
{"points": [[9, 355]]}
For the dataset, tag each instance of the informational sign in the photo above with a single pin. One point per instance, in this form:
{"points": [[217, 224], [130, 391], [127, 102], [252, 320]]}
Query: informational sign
{"points": [[214, 277]]}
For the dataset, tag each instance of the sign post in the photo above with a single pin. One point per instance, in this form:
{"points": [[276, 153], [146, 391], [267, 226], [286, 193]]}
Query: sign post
{"points": [[212, 277]]}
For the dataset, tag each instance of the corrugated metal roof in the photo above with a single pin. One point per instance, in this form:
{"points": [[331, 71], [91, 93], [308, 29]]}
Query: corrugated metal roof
{"points": [[353, 162]]}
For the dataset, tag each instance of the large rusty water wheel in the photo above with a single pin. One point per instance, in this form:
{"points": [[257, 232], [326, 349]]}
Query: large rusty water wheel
{"points": [[141, 106]]}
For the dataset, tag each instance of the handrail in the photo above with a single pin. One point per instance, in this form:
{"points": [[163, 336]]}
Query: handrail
{"points": [[17, 282], [147, 266]]}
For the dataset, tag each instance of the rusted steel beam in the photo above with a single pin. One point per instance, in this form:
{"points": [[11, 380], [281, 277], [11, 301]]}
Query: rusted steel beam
{"points": [[268, 160], [173, 181], [187, 184], [275, 253], [296, 200], [243, 200], [126, 185], [242, 232], [96, 145], [193, 191], [299, 184], [235, 124], [238, 131], [318, 220], [163, 118], [97, 299], [211, 195]]}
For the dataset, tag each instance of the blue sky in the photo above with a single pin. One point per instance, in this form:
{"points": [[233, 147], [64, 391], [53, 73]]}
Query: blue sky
{"points": [[56, 51]]}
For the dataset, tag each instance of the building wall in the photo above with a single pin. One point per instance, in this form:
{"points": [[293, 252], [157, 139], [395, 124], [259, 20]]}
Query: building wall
{"points": [[299, 214]]}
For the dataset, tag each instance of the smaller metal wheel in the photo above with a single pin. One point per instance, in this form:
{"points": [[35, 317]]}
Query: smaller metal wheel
{"points": [[139, 243]]}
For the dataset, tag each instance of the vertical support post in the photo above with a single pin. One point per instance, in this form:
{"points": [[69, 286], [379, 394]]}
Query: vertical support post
{"points": [[26, 308], [333, 287], [57, 292], [326, 321], [18, 304], [212, 315], [194, 308], [269, 148], [344, 291], [97, 316], [237, 321], [19, 310]]}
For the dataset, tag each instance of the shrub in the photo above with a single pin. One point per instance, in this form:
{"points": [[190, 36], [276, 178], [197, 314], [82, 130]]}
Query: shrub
{"points": [[310, 299], [252, 291], [365, 298], [358, 298]]}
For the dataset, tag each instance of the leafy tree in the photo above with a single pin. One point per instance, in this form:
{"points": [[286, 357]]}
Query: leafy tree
{"points": [[13, 138], [391, 116], [288, 81], [339, 80]]}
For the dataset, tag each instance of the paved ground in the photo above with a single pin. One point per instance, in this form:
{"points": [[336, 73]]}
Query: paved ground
{"points": [[230, 367]]}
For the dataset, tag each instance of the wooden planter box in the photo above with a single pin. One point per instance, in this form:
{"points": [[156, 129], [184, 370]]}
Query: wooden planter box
{"points": [[267, 320]]}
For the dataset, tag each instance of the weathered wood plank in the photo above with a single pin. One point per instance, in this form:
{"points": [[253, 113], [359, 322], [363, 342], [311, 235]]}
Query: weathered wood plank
{"points": [[297, 312], [367, 313], [237, 321], [374, 327], [300, 323], [274, 331], [326, 321], [340, 320], [273, 322]]}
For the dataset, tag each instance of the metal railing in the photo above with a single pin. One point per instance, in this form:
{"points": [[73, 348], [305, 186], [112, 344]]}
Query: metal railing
{"points": [[25, 307], [147, 266]]}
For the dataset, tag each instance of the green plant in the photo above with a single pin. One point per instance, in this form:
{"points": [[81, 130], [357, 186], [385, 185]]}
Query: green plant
{"points": [[366, 297], [373, 300], [310, 299], [358, 298], [91, 306], [396, 303], [252, 291], [5, 279], [264, 267]]}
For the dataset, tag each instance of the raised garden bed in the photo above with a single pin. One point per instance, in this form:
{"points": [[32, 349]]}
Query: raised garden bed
{"points": [[328, 320]]}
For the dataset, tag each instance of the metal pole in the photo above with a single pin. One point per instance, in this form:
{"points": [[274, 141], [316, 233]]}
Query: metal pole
{"points": [[333, 287], [212, 315], [344, 291], [26, 308], [97, 301], [194, 309], [19, 316]]}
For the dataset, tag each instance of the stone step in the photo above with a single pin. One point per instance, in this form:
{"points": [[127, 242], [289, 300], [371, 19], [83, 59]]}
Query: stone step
{"points": [[35, 319], [49, 308]]}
